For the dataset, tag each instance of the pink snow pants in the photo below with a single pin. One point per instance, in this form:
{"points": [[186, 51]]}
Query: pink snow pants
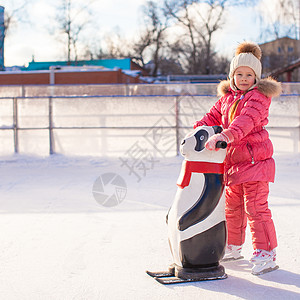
{"points": [[250, 201]]}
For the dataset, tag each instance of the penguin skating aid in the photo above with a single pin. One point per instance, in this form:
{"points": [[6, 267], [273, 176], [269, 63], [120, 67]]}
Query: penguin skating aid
{"points": [[196, 220]]}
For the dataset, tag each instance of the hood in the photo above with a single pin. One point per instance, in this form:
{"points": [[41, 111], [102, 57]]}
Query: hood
{"points": [[268, 87]]}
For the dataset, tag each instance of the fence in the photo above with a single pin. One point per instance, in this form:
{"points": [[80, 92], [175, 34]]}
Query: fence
{"points": [[133, 120]]}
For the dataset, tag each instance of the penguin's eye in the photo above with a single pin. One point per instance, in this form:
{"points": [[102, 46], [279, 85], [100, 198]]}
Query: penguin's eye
{"points": [[201, 137]]}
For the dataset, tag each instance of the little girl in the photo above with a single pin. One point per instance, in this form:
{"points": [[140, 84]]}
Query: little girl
{"points": [[249, 167]]}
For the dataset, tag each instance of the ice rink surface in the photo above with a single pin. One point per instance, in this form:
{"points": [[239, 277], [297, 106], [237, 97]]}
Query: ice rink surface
{"points": [[58, 242]]}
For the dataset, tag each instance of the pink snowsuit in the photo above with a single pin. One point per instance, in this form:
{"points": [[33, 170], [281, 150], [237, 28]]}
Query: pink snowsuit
{"points": [[249, 166]]}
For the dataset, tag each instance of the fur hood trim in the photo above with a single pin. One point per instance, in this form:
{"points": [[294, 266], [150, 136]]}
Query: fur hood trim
{"points": [[268, 86]]}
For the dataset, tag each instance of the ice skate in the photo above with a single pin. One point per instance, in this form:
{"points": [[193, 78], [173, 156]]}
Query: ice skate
{"points": [[263, 261], [232, 252]]}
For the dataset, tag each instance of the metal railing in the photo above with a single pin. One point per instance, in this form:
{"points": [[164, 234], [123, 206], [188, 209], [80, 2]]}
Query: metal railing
{"points": [[160, 89], [112, 125]]}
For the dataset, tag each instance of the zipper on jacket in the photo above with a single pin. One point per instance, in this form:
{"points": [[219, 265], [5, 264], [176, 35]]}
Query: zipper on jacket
{"points": [[251, 153]]}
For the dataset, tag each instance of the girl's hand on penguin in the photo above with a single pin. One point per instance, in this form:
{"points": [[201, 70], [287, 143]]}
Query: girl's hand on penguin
{"points": [[212, 141]]}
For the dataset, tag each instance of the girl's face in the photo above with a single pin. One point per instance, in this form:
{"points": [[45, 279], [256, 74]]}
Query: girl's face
{"points": [[244, 78]]}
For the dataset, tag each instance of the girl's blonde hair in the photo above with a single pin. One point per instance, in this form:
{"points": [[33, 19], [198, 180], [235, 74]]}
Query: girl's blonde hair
{"points": [[233, 108]]}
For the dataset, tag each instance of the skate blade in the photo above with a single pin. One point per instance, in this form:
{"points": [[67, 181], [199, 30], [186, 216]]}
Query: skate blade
{"points": [[231, 259], [176, 280], [160, 274], [265, 271]]}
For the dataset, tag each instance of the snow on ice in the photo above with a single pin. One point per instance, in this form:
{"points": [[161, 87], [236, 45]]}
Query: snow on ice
{"points": [[58, 242]]}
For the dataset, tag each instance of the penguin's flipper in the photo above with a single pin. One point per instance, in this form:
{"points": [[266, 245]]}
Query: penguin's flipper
{"points": [[205, 204]]}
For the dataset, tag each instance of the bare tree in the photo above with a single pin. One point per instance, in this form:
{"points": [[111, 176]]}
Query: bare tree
{"points": [[112, 45], [72, 19], [280, 19], [153, 39], [200, 20], [116, 45], [279, 22], [179, 10], [211, 21], [15, 13]]}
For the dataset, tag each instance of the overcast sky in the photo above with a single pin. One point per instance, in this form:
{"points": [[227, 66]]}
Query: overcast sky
{"points": [[26, 40]]}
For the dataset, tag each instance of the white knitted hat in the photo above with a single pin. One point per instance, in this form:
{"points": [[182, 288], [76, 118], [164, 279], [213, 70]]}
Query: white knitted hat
{"points": [[248, 54]]}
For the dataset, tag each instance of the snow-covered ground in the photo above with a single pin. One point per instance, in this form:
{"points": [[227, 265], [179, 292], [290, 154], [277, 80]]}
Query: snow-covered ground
{"points": [[58, 242]]}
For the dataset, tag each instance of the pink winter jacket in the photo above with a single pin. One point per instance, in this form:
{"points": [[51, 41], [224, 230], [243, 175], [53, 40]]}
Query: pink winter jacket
{"points": [[249, 156]]}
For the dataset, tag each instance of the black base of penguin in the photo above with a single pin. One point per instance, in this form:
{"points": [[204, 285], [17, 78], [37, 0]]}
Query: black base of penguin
{"points": [[177, 274], [203, 273]]}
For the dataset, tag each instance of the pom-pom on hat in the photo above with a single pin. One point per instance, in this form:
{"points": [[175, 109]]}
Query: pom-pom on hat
{"points": [[247, 54]]}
